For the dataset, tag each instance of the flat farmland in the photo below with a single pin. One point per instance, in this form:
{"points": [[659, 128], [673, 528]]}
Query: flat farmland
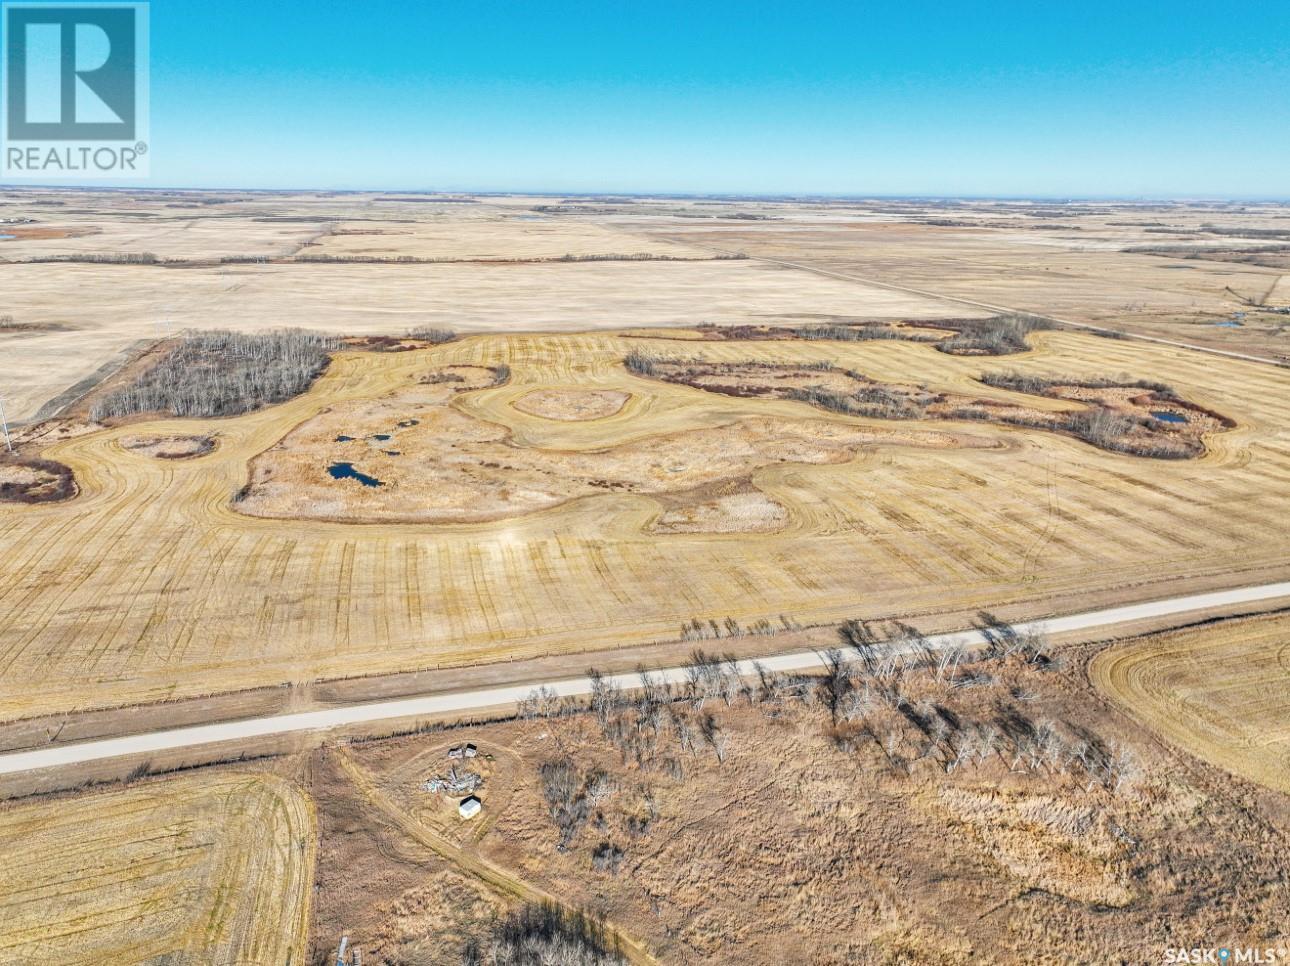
{"points": [[194, 869], [1222, 693], [1060, 272], [153, 584], [242, 261], [492, 236], [1157, 273], [120, 304], [109, 234]]}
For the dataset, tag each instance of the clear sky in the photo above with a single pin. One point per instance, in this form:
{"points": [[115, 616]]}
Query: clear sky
{"points": [[1132, 98]]}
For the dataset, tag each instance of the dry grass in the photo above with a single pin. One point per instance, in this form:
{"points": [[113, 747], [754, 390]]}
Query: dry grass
{"points": [[1222, 693], [208, 868], [734, 508], [152, 585], [572, 405], [425, 461], [31, 480], [170, 447], [988, 812]]}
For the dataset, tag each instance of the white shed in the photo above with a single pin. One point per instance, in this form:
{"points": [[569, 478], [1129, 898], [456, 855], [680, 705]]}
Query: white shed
{"points": [[469, 807]]}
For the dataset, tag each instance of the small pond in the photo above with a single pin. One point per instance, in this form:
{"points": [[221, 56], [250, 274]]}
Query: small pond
{"points": [[344, 439], [7, 237], [346, 471], [1228, 324], [1167, 417]]}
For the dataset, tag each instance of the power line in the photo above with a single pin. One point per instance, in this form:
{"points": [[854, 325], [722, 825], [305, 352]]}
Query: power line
{"points": [[5, 423]]}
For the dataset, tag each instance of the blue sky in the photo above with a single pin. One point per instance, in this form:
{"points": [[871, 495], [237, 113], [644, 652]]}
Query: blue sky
{"points": [[1127, 99]]}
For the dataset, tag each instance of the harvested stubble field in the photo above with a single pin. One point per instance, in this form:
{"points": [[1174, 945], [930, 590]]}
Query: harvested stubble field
{"points": [[153, 584], [131, 300], [1086, 262], [488, 236], [1220, 692], [572, 405], [212, 867], [207, 261], [547, 500]]}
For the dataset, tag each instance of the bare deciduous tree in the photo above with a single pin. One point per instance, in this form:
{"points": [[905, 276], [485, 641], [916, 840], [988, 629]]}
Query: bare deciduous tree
{"points": [[222, 373]]}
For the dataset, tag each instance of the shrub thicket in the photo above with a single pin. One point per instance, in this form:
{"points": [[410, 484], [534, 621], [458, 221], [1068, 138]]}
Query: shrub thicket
{"points": [[432, 334], [49, 483], [545, 935], [640, 364], [1043, 385], [1000, 336]]}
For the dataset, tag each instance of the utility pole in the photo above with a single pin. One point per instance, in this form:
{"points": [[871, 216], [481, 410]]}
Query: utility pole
{"points": [[5, 423], [165, 323]]}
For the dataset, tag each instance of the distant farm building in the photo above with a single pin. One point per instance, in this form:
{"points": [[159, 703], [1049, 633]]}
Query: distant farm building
{"points": [[469, 807]]}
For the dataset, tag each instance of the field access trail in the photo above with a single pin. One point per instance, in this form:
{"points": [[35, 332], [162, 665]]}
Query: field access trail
{"points": [[465, 702], [501, 881]]}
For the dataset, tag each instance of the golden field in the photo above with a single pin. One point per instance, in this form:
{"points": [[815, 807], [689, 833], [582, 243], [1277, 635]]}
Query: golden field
{"points": [[152, 585], [197, 869], [1171, 270], [492, 271], [361, 299], [485, 265], [1221, 693]]}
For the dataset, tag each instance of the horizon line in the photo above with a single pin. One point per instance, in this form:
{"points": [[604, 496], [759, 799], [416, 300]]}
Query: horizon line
{"points": [[781, 196]]}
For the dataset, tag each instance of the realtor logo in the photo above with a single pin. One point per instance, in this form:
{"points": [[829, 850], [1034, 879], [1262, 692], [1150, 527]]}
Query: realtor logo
{"points": [[76, 93]]}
